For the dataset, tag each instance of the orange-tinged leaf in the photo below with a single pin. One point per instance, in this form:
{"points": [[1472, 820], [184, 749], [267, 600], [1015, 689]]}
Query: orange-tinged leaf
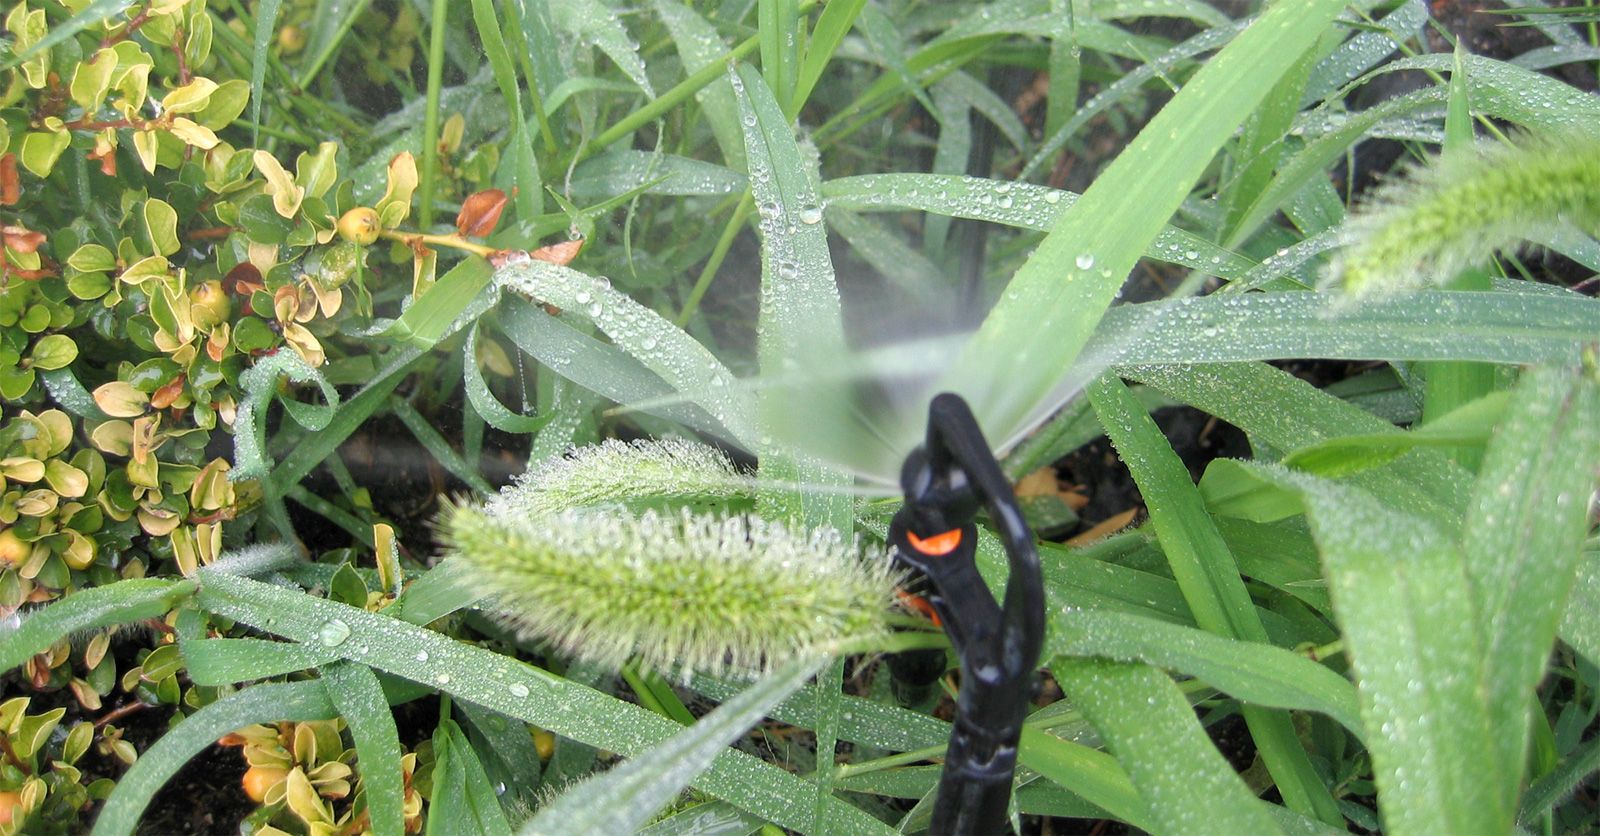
{"points": [[562, 253], [480, 213], [164, 396], [10, 182], [21, 239]]}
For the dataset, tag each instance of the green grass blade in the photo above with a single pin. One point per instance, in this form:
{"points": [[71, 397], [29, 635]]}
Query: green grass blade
{"points": [[1507, 328], [799, 298], [624, 798], [1127, 85], [1092, 774], [516, 690], [780, 33], [1524, 536], [427, 185], [439, 592], [356, 694], [86, 609], [1549, 790], [329, 27], [493, 412], [1066, 285], [1209, 577], [266, 23], [831, 27], [1199, 557], [1014, 204], [1151, 727], [701, 50], [1255, 673], [593, 22], [1416, 638], [1363, 51], [667, 351], [229, 661], [1496, 89], [270, 703], [861, 721], [1286, 413], [527, 187]]}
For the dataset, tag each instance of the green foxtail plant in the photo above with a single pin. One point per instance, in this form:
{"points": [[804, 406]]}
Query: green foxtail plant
{"points": [[1455, 212], [681, 591], [643, 472]]}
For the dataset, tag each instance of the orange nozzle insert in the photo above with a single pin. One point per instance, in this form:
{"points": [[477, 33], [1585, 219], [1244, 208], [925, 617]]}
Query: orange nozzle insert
{"points": [[938, 544]]}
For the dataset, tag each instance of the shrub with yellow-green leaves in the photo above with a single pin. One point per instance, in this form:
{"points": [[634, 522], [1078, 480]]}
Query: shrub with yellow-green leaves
{"points": [[148, 259], [40, 783], [300, 774]]}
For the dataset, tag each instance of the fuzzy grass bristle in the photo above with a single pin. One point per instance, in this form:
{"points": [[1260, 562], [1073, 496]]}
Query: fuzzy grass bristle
{"points": [[645, 472], [679, 592], [1454, 213]]}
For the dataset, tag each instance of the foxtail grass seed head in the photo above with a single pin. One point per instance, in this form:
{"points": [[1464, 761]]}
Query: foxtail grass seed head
{"points": [[1453, 214], [680, 592], [665, 471]]}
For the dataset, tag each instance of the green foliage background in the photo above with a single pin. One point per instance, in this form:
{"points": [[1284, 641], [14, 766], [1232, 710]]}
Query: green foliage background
{"points": [[229, 265]]}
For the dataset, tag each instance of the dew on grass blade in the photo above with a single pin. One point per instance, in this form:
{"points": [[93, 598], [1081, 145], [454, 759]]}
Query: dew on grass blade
{"points": [[333, 632]]}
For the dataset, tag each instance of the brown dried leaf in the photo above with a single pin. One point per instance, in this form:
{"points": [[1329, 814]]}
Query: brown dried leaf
{"points": [[562, 253], [480, 213]]}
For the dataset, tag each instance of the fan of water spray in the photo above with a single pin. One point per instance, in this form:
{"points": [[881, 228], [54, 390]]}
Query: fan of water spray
{"points": [[860, 409]]}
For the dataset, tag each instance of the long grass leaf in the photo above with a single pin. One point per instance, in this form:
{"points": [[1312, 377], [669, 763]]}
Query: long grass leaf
{"points": [[266, 25], [1255, 673], [799, 298], [360, 701], [1209, 577], [1065, 286], [1151, 727], [517, 690], [1524, 536], [86, 609], [624, 798]]}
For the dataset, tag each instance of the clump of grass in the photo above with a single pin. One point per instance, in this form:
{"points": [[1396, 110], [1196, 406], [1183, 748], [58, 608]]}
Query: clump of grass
{"points": [[675, 592], [1456, 212]]}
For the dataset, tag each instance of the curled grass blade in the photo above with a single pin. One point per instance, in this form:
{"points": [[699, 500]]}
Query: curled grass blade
{"points": [[646, 336]]}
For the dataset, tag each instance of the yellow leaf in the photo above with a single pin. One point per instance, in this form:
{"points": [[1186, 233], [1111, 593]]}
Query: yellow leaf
{"points": [[144, 144], [396, 202], [286, 196], [120, 399], [190, 97], [193, 134]]}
